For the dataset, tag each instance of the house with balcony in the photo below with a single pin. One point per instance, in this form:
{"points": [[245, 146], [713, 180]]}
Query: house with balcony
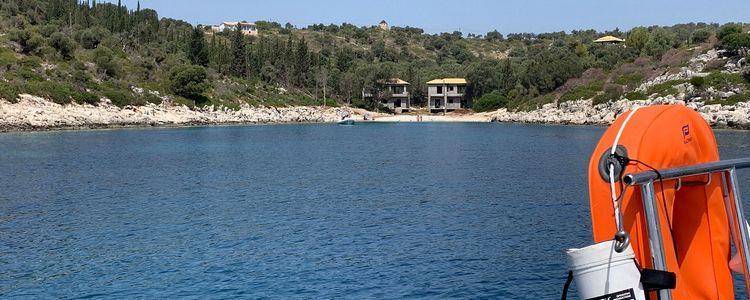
{"points": [[447, 94], [396, 94], [247, 28]]}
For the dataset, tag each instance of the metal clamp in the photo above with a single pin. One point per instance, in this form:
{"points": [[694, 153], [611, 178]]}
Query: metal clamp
{"points": [[622, 240]]}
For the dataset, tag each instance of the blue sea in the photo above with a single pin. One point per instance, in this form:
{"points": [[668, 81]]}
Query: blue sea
{"points": [[316, 211]]}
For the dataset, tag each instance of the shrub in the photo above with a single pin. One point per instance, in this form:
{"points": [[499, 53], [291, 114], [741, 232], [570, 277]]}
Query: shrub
{"points": [[63, 44], [490, 102], [582, 92], [86, 97], [90, 38], [701, 35], [734, 99], [606, 97], [57, 92], [697, 81], [666, 88], [147, 98], [119, 98], [635, 95], [577, 94], [188, 81], [8, 92], [31, 62], [629, 79], [105, 59], [736, 41], [728, 29], [28, 40], [7, 59], [28, 74], [721, 80]]}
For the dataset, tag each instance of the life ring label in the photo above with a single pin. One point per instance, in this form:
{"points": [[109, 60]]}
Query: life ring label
{"points": [[628, 294]]}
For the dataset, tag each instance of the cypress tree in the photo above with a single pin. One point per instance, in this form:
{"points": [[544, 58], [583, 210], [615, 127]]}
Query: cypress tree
{"points": [[198, 53], [302, 62], [238, 54]]}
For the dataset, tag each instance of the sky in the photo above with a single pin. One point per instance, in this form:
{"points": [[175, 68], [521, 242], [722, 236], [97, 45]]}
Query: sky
{"points": [[467, 16]]}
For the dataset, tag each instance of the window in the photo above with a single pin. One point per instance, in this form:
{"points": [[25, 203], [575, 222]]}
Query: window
{"points": [[451, 88], [439, 89]]}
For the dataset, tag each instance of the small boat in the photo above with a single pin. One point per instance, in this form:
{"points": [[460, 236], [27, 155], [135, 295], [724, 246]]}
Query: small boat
{"points": [[346, 121], [665, 212]]}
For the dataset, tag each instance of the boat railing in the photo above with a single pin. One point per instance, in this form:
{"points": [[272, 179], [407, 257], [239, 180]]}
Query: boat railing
{"points": [[725, 170]]}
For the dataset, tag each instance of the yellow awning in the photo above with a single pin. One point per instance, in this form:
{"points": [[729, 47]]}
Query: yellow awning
{"points": [[609, 39], [447, 81]]}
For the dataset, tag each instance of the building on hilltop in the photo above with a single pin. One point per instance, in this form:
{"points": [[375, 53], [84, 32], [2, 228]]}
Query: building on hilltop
{"points": [[447, 94], [397, 97], [247, 28], [384, 25], [609, 40]]}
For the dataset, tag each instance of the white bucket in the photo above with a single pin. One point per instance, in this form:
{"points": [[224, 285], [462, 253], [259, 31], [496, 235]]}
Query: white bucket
{"points": [[602, 273]]}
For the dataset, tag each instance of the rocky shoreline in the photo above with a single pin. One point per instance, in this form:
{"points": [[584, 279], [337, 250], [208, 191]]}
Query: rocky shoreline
{"points": [[32, 113], [584, 113]]}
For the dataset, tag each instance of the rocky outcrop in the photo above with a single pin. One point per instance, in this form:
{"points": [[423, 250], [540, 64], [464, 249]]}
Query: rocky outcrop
{"points": [[695, 68], [33, 113], [582, 112]]}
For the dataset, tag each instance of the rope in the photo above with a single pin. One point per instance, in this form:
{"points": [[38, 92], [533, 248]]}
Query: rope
{"points": [[613, 190]]}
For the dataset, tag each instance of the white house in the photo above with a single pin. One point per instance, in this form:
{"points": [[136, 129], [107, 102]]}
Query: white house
{"points": [[246, 27]]}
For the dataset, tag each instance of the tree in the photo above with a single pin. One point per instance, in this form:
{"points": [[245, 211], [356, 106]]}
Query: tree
{"points": [[701, 36], [302, 63], [321, 80], [188, 81], [659, 42], [344, 58], [736, 41], [198, 53], [728, 29], [239, 59], [482, 78], [581, 50], [105, 60], [490, 102], [28, 40], [494, 36], [63, 44], [638, 38], [346, 86]]}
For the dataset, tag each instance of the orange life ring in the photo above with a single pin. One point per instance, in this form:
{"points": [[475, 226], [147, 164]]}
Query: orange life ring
{"points": [[697, 242]]}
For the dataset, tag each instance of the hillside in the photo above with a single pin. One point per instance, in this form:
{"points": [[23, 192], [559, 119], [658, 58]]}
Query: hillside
{"points": [[68, 51]]}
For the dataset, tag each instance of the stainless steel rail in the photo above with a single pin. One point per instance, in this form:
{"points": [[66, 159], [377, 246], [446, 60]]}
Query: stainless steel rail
{"points": [[672, 173], [727, 173]]}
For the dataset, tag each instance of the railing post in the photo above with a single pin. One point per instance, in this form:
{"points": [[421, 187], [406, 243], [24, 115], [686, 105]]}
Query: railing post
{"points": [[654, 232], [742, 225]]}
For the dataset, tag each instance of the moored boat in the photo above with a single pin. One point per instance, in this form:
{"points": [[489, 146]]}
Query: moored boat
{"points": [[346, 121]]}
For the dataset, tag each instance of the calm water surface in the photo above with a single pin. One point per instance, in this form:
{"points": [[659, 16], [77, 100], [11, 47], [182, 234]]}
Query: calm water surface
{"points": [[297, 211]]}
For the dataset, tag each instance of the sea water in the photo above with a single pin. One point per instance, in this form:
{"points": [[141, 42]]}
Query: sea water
{"points": [[387, 211]]}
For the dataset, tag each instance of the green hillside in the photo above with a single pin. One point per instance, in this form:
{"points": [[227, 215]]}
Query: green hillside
{"points": [[80, 51]]}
